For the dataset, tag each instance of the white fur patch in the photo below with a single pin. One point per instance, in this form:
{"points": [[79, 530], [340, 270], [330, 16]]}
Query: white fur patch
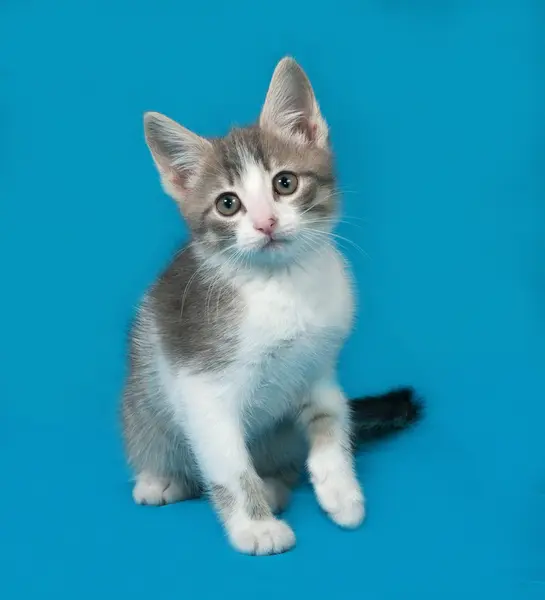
{"points": [[157, 491], [255, 190], [270, 536], [337, 489]]}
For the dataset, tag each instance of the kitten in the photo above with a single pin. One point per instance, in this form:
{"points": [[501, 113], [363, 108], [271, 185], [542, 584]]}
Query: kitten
{"points": [[232, 387]]}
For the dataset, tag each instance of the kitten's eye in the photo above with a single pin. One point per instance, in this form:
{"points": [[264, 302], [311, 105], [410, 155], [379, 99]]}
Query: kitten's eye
{"points": [[285, 183], [228, 205]]}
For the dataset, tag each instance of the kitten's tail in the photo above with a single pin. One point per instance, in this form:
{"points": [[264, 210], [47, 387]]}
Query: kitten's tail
{"points": [[376, 417]]}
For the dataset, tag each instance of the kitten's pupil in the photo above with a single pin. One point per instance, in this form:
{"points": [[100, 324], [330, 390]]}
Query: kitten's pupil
{"points": [[285, 181], [228, 202]]}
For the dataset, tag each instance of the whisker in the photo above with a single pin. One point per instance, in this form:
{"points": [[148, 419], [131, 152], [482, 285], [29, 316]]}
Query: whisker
{"points": [[333, 221], [340, 238]]}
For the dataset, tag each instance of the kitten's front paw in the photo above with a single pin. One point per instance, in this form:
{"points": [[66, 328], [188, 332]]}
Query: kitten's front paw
{"points": [[270, 536], [342, 499]]}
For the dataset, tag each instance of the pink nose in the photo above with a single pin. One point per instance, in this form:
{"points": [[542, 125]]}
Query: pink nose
{"points": [[266, 226]]}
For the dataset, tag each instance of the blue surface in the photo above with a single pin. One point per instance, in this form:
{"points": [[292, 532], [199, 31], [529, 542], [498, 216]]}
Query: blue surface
{"points": [[437, 111]]}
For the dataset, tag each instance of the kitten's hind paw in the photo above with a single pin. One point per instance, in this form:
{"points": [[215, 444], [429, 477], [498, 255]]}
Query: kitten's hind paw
{"points": [[158, 491], [277, 494]]}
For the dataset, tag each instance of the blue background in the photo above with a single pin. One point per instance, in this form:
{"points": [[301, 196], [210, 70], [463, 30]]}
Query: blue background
{"points": [[437, 113]]}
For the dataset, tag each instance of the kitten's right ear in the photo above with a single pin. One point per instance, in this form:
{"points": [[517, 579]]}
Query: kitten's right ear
{"points": [[291, 108], [177, 152]]}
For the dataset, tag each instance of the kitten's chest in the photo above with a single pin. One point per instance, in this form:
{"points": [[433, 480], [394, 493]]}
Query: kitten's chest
{"points": [[297, 318]]}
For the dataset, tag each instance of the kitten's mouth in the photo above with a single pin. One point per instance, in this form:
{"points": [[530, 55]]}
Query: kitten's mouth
{"points": [[274, 244]]}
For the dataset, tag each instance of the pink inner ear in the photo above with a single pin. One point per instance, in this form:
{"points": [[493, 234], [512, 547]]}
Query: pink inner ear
{"points": [[177, 180], [308, 129]]}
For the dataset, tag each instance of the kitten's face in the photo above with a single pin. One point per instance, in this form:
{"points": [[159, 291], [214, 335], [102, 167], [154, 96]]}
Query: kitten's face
{"points": [[260, 197], [262, 194]]}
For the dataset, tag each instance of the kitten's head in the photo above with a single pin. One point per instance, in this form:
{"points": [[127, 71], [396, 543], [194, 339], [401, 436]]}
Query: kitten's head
{"points": [[264, 193]]}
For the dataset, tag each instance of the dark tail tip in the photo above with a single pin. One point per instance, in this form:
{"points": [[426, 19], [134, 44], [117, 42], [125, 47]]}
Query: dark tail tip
{"points": [[376, 417]]}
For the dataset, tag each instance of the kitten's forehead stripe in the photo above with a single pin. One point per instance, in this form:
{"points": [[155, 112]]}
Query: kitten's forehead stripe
{"points": [[225, 157], [255, 145], [238, 148]]}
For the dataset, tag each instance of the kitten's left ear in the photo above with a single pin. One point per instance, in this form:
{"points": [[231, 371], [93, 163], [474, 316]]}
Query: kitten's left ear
{"points": [[177, 152], [291, 109]]}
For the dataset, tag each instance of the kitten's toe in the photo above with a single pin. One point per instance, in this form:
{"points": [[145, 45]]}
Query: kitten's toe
{"points": [[157, 491], [343, 501], [270, 536], [277, 494], [350, 514]]}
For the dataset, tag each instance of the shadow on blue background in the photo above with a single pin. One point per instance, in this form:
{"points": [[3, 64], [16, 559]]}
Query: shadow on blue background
{"points": [[437, 113]]}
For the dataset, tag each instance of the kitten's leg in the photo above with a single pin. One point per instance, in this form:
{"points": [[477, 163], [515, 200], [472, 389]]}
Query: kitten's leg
{"points": [[279, 457], [156, 449], [330, 461], [237, 491]]}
